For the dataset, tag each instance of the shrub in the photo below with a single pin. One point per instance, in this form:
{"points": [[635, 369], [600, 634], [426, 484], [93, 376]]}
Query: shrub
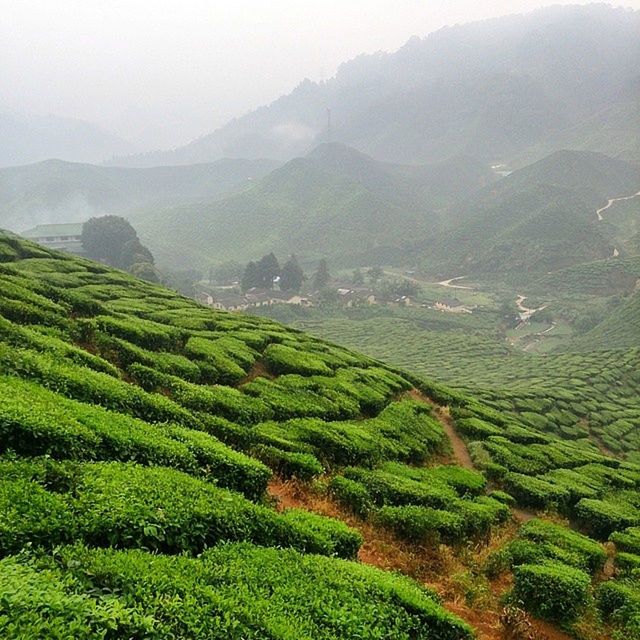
{"points": [[534, 492], [125, 505], [234, 592], [591, 553], [289, 464], [552, 591], [352, 495], [603, 517], [627, 540], [282, 359], [422, 524]]}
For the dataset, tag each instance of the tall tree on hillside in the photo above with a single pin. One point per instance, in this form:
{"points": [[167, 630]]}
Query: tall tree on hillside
{"points": [[322, 276], [374, 274], [357, 278], [268, 270], [112, 239], [251, 277], [291, 276]]}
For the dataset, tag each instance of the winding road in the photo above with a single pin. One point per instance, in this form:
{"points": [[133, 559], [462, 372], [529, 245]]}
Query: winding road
{"points": [[447, 283], [611, 202]]}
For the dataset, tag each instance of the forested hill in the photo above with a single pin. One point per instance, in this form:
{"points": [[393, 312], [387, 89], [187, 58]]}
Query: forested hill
{"points": [[335, 202], [167, 471], [510, 89], [538, 219]]}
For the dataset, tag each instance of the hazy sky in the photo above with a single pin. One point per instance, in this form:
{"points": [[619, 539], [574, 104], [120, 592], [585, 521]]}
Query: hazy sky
{"points": [[162, 72]]}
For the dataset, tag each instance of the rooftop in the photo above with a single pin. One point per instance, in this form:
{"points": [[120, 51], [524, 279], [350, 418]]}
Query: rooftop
{"points": [[54, 230]]}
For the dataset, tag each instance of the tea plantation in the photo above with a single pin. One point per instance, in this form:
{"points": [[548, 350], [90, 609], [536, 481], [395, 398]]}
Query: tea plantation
{"points": [[140, 435]]}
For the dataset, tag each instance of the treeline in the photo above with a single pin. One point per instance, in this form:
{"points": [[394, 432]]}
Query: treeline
{"points": [[267, 273]]}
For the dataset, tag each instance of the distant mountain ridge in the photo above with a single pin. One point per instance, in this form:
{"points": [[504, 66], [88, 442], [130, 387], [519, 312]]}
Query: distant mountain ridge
{"points": [[510, 89], [57, 191], [540, 218], [335, 202], [27, 139]]}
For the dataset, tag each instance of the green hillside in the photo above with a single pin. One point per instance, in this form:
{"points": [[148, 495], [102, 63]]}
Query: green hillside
{"points": [[335, 202], [55, 191], [538, 219], [145, 441]]}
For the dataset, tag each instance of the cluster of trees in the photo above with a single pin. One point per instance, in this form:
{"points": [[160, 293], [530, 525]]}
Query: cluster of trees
{"points": [[266, 273], [113, 241]]}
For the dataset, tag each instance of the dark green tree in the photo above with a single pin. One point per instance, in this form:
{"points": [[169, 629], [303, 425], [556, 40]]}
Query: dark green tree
{"points": [[251, 277], [374, 274], [268, 271], [322, 276], [291, 276], [112, 239], [357, 278]]}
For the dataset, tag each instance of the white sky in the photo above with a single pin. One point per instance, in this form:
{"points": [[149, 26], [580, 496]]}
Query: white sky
{"points": [[162, 72]]}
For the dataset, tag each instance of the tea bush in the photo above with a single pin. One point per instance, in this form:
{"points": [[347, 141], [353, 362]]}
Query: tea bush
{"points": [[553, 591]]}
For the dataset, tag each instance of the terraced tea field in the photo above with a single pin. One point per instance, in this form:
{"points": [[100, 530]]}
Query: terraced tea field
{"points": [[145, 442]]}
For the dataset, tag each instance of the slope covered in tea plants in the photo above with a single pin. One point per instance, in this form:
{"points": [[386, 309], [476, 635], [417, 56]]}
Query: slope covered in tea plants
{"points": [[139, 433]]}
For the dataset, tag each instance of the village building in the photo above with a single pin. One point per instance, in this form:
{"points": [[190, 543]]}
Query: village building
{"points": [[451, 305], [63, 237]]}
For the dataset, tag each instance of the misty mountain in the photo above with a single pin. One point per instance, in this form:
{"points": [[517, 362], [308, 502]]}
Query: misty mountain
{"points": [[335, 202], [539, 218], [28, 138], [57, 191], [510, 89]]}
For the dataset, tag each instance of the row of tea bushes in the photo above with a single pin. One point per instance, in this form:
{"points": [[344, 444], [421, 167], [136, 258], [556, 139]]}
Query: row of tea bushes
{"points": [[36, 421], [233, 592], [47, 503], [441, 503]]}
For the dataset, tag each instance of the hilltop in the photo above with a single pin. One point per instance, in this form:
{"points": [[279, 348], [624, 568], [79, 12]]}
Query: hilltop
{"points": [[334, 202], [135, 421], [511, 90]]}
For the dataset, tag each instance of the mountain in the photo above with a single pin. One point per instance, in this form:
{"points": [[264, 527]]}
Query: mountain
{"points": [[56, 191], [28, 138], [335, 202], [170, 471], [540, 218], [506, 90]]}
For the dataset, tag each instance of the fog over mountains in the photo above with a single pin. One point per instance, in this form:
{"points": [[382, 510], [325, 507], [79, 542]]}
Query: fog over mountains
{"points": [[509, 89]]}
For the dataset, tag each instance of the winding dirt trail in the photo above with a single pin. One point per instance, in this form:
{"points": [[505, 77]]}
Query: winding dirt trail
{"points": [[611, 202], [447, 283]]}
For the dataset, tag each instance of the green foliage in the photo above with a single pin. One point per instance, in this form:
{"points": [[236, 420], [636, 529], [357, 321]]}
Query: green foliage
{"points": [[591, 555], [289, 464], [235, 591], [281, 359], [603, 517], [553, 591], [352, 495], [125, 505]]}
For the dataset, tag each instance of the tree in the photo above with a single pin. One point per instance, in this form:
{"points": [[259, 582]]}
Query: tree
{"points": [[112, 239], [251, 277], [357, 279], [374, 274], [291, 276], [321, 277], [230, 271], [268, 270]]}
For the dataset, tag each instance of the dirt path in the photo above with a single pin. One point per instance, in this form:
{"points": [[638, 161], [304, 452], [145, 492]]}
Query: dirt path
{"points": [[460, 451], [611, 202], [447, 283]]}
